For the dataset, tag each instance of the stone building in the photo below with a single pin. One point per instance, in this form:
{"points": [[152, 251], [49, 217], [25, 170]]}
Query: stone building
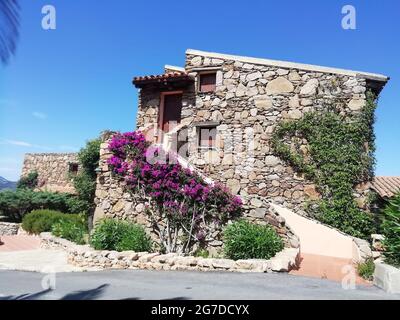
{"points": [[219, 113], [55, 170], [226, 108]]}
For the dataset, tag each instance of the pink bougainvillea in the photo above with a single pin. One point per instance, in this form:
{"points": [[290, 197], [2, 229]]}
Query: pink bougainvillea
{"points": [[177, 196]]}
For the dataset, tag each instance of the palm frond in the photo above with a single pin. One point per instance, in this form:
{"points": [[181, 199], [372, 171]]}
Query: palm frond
{"points": [[9, 29]]}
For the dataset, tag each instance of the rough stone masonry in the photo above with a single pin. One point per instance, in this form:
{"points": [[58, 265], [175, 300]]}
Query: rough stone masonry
{"points": [[251, 96]]}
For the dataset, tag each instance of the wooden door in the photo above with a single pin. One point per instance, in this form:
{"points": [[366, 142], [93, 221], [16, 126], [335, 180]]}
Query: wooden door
{"points": [[172, 111]]}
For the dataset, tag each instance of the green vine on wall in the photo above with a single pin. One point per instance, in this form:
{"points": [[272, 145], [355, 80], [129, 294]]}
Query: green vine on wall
{"points": [[339, 154]]}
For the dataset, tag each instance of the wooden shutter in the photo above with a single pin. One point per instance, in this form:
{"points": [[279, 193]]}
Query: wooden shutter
{"points": [[207, 82]]}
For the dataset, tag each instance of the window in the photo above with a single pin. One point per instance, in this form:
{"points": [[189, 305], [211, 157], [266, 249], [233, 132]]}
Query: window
{"points": [[73, 168], [207, 137], [207, 82]]}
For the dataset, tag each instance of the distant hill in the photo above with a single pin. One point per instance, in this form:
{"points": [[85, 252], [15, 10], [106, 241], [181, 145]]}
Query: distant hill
{"points": [[5, 184]]}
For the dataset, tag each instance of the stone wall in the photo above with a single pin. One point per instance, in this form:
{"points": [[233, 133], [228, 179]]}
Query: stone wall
{"points": [[113, 201], [249, 101], [86, 257], [53, 170], [8, 228]]}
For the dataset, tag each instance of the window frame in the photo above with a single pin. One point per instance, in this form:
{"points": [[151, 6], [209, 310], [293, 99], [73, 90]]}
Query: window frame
{"points": [[208, 126], [202, 73]]}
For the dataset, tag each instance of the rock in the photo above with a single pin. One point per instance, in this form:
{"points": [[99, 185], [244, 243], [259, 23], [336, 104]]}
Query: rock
{"points": [[271, 161], [387, 277], [227, 159], [356, 104], [263, 102], [196, 61], [217, 61], [279, 265], [294, 76], [119, 206], [255, 202], [216, 102], [147, 257], [311, 192], [223, 264], [282, 72], [294, 102], [186, 261], [233, 185], [359, 89], [240, 90], [279, 85], [258, 213], [253, 76], [253, 112], [205, 263], [252, 91], [163, 257], [295, 114], [310, 87]]}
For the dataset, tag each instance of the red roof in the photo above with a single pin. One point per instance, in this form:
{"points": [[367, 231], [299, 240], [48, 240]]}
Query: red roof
{"points": [[165, 77], [386, 187]]}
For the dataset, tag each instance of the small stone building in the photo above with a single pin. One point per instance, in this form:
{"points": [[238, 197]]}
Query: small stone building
{"points": [[224, 109], [219, 112], [55, 170]]}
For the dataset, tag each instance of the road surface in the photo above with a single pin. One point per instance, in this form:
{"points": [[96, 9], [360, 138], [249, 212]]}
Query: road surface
{"points": [[144, 284]]}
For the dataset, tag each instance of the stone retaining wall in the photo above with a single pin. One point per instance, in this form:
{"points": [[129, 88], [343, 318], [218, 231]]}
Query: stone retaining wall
{"points": [[84, 256], [8, 228], [53, 170]]}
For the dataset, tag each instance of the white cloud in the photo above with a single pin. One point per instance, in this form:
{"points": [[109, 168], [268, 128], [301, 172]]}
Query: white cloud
{"points": [[39, 115], [17, 143], [22, 144]]}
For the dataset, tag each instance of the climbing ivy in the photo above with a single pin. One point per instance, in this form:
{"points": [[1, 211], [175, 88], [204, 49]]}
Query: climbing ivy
{"points": [[339, 154]]}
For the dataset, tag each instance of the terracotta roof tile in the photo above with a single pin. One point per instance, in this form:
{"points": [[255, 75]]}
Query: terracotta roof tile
{"points": [[386, 187], [162, 77]]}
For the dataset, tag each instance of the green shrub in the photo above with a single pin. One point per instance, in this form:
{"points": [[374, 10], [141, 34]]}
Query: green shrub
{"points": [[28, 182], [366, 269], [39, 221], [85, 180], [245, 240], [15, 204], [391, 231], [111, 234], [203, 253], [71, 229]]}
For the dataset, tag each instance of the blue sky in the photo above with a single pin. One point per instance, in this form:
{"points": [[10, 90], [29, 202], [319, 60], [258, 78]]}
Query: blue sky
{"points": [[66, 85]]}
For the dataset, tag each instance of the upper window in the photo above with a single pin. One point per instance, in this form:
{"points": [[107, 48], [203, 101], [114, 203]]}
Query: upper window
{"points": [[207, 137], [207, 82], [73, 168]]}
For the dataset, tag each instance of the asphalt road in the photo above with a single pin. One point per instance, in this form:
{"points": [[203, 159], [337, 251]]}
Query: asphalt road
{"points": [[143, 284]]}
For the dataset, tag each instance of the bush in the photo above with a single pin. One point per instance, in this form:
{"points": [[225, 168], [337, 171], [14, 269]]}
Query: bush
{"points": [[202, 253], [245, 240], [15, 204], [71, 229], [391, 230], [111, 234], [43, 220], [85, 180], [28, 182], [366, 269]]}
